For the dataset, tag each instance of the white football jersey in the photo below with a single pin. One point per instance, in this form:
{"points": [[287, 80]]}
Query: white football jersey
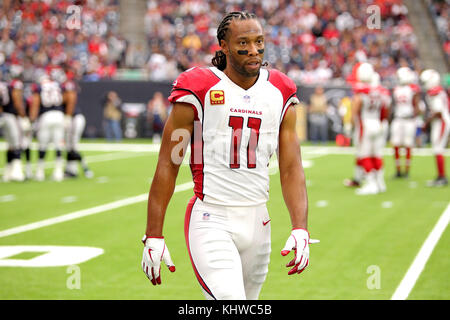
{"points": [[235, 132], [437, 101], [403, 99], [4, 94], [372, 103], [51, 96]]}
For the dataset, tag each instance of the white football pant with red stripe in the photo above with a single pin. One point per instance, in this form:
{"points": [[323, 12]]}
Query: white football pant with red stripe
{"points": [[229, 249]]}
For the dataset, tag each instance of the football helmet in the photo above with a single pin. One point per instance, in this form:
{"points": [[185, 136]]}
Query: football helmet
{"points": [[365, 72], [430, 78], [58, 75], [405, 76]]}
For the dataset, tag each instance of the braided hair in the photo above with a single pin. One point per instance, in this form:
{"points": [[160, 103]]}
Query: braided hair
{"points": [[219, 60]]}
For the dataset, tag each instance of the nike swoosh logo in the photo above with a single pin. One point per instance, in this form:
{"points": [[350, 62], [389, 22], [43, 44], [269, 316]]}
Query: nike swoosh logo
{"points": [[266, 222]]}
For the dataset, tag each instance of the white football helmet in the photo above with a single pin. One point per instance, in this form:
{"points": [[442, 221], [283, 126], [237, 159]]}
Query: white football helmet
{"points": [[430, 78], [405, 76], [365, 72]]}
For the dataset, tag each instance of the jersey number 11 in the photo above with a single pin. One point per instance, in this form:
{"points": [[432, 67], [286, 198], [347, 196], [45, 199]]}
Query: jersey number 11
{"points": [[237, 124]]}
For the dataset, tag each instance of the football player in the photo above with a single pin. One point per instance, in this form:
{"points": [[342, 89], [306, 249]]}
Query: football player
{"points": [[406, 96], [15, 122], [74, 124], [366, 114], [358, 173], [386, 101], [439, 119], [27, 135], [47, 108], [238, 114]]}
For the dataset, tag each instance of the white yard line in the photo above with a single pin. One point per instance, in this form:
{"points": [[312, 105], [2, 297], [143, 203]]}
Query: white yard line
{"points": [[150, 147], [409, 280], [86, 212], [101, 208]]}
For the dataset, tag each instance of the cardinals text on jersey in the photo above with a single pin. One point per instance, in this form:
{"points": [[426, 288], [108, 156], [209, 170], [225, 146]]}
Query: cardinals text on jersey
{"points": [[235, 132]]}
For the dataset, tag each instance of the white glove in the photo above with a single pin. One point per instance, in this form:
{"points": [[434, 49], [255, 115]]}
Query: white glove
{"points": [[67, 122], [155, 251], [299, 242], [25, 124], [35, 126]]}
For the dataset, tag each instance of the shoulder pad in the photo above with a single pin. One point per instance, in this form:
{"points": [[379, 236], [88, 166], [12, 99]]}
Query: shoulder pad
{"points": [[283, 83], [16, 84], [415, 88], [197, 81], [361, 88], [435, 91]]}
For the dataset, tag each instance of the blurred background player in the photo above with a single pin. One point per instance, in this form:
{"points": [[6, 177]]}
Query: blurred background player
{"points": [[358, 173], [366, 114], [386, 101], [15, 122], [439, 119], [406, 96], [74, 124], [27, 136], [47, 105], [359, 85]]}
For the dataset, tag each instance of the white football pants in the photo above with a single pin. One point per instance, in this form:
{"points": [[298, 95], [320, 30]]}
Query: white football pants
{"points": [[12, 131], [403, 132], [74, 132], [440, 130], [369, 139], [229, 249], [51, 130]]}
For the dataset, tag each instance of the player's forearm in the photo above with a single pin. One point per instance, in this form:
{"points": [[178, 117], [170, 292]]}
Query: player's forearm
{"points": [[295, 196], [161, 191], [71, 99], [34, 109], [18, 103]]}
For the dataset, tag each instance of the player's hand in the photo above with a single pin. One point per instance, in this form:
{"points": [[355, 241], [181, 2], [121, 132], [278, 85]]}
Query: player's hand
{"points": [[25, 124], [67, 122], [34, 126], [155, 251], [299, 242]]}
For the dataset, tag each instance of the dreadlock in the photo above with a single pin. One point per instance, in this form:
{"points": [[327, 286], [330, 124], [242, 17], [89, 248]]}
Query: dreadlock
{"points": [[219, 59]]}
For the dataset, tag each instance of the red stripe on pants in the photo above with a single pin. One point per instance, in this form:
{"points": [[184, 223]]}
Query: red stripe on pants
{"points": [[187, 221]]}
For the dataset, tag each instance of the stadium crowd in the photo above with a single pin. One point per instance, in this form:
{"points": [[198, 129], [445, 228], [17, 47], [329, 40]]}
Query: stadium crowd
{"points": [[37, 35], [311, 41], [440, 11]]}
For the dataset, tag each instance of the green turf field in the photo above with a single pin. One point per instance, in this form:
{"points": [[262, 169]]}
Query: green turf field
{"points": [[367, 243]]}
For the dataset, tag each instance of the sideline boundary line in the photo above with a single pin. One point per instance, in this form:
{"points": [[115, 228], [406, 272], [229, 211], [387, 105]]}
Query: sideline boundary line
{"points": [[409, 280]]}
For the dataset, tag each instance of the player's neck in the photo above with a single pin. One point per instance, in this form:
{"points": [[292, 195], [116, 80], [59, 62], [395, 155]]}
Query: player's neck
{"points": [[240, 80]]}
